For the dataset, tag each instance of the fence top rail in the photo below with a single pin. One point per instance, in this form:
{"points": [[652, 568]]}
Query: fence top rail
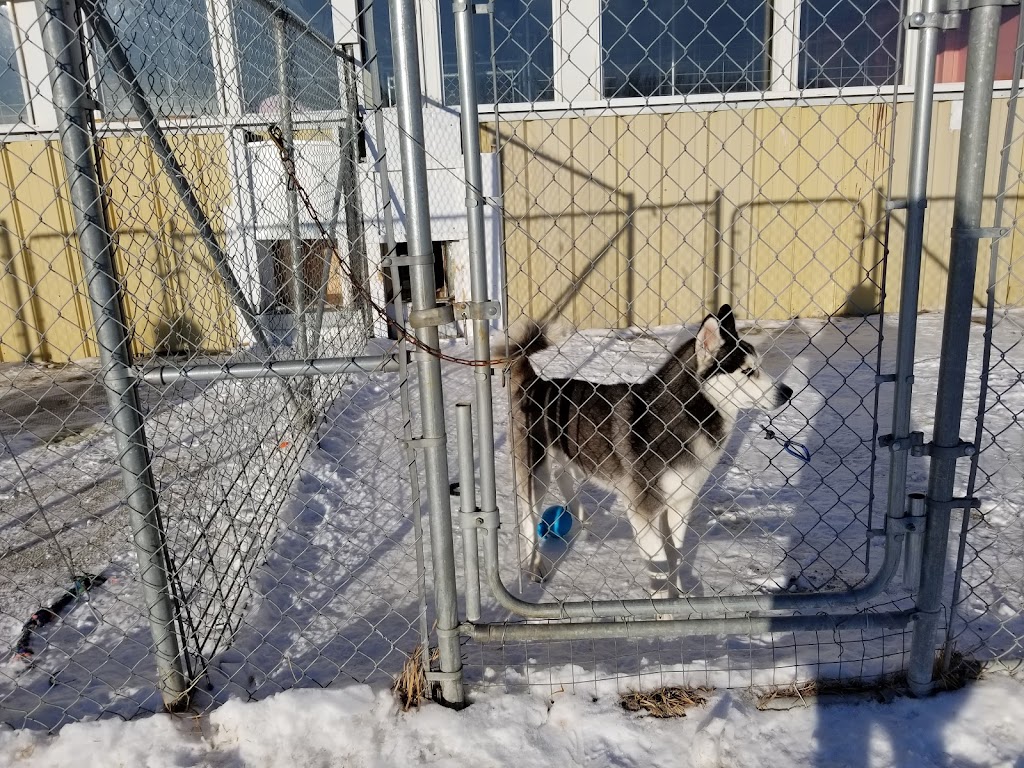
{"points": [[324, 366]]}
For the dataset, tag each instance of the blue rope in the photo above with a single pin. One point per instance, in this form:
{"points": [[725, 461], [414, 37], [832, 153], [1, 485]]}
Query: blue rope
{"points": [[792, 447]]}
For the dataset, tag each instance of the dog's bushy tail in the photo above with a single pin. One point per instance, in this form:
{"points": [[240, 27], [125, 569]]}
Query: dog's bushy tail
{"points": [[525, 338]]}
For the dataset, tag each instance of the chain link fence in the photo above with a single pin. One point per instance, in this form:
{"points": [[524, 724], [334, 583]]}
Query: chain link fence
{"points": [[282, 241], [291, 537], [632, 223], [987, 616]]}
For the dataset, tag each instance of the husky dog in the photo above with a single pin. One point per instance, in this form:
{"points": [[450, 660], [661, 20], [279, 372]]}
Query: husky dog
{"points": [[654, 441]]}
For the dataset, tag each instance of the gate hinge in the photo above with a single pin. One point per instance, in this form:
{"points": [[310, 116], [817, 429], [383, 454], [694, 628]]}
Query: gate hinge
{"points": [[905, 524], [961, 450], [938, 20], [915, 443], [478, 519], [911, 442], [407, 261], [905, 205], [980, 233], [478, 310], [422, 443], [961, 502]]}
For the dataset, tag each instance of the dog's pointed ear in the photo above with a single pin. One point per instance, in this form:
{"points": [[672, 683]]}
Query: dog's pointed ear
{"points": [[727, 320], [708, 341]]}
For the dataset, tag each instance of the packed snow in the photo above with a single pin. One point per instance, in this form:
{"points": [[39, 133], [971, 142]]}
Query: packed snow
{"points": [[358, 726], [336, 599]]}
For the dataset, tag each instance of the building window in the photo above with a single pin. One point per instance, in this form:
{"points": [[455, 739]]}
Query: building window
{"points": [[278, 286], [168, 45], [441, 284], [523, 53], [382, 41], [951, 63], [12, 85], [313, 67], [667, 48], [848, 43]]}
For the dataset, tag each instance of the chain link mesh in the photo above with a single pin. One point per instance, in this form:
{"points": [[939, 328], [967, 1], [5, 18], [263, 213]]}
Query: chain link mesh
{"points": [[645, 164], [987, 623], [290, 536]]}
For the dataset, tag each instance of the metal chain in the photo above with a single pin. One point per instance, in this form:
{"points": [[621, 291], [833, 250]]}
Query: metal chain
{"points": [[288, 162]]}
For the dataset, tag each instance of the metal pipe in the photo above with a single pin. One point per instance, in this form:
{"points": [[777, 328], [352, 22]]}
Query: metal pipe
{"points": [[323, 366], [652, 608], [405, 46], [914, 543], [467, 495], [284, 101], [913, 248], [1009, 131], [305, 28], [115, 53], [354, 230], [372, 82], [70, 101], [956, 333], [633, 630], [470, 125]]}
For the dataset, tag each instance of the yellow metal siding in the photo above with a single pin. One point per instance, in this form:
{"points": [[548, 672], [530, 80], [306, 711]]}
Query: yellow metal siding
{"points": [[652, 219], [173, 298], [44, 313]]}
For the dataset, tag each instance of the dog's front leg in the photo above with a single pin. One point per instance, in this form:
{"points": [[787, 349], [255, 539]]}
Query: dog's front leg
{"points": [[651, 536], [678, 514]]}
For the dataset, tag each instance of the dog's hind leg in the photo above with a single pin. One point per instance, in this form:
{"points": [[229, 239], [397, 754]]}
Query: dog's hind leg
{"points": [[531, 468], [569, 485], [540, 566]]}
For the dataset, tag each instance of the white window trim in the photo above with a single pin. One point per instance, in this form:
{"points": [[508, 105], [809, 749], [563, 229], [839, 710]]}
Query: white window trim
{"points": [[784, 63], [577, 49], [431, 68]]}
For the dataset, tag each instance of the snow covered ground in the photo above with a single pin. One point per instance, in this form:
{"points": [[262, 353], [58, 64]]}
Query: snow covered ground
{"points": [[358, 726], [336, 599]]}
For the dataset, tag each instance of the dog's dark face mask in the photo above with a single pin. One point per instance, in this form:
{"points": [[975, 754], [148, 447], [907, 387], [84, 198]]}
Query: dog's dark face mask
{"points": [[729, 368]]}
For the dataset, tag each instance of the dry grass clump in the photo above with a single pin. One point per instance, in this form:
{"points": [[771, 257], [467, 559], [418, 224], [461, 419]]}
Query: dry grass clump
{"points": [[883, 689], [410, 687], [668, 701]]}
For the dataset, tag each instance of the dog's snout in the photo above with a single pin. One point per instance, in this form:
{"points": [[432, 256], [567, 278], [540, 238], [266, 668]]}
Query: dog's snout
{"points": [[785, 394]]}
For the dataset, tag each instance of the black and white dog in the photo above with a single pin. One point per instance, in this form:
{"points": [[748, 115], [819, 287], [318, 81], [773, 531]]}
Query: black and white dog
{"points": [[654, 441]]}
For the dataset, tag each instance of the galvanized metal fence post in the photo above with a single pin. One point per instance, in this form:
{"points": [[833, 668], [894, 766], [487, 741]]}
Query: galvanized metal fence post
{"points": [[297, 259], [71, 103], [425, 318], [479, 310], [913, 247], [372, 85], [946, 446]]}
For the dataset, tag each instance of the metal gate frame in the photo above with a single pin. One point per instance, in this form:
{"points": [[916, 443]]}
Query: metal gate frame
{"points": [[916, 527], [906, 534]]}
